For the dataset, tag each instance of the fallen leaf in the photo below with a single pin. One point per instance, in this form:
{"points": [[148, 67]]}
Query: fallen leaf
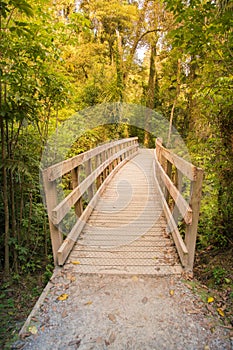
{"points": [[33, 330], [64, 314], [111, 339], [210, 300], [135, 278], [99, 340], [75, 262], [88, 302], [155, 258], [221, 312], [193, 312], [34, 319], [144, 300], [75, 342], [172, 292], [227, 280], [112, 318], [62, 297]]}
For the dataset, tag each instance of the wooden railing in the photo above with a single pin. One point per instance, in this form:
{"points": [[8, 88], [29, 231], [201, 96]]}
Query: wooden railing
{"points": [[89, 173], [170, 173]]}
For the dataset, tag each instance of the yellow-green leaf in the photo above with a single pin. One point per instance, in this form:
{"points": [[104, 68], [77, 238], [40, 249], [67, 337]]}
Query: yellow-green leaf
{"points": [[33, 329], [171, 292], [220, 312], [75, 262], [210, 300], [62, 297], [88, 302], [135, 278]]}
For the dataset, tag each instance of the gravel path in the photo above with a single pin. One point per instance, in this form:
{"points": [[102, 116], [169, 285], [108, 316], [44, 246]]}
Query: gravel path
{"points": [[123, 312]]}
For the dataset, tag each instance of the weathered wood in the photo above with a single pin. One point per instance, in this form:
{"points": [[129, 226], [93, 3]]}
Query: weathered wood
{"points": [[168, 172], [172, 228], [75, 182], [62, 168], [100, 177], [90, 188], [185, 167], [50, 191], [134, 241], [181, 203], [129, 270], [59, 212], [69, 242], [195, 174], [191, 231], [178, 184]]}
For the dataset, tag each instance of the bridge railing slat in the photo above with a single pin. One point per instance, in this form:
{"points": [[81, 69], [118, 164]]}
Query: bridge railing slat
{"points": [[170, 170], [89, 173], [63, 207]]}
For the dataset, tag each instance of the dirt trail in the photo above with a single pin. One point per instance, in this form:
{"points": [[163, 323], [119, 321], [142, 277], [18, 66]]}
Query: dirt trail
{"points": [[123, 312]]}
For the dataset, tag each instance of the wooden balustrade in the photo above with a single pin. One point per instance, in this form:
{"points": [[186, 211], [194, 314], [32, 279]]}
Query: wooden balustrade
{"points": [[170, 171], [100, 164]]}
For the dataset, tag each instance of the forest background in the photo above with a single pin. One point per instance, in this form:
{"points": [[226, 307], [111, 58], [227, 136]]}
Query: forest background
{"points": [[60, 57]]}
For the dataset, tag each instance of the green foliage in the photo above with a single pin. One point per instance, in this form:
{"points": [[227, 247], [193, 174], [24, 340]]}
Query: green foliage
{"points": [[219, 274]]}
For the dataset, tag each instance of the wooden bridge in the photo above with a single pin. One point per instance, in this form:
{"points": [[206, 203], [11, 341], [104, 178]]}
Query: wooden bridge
{"points": [[126, 207]]}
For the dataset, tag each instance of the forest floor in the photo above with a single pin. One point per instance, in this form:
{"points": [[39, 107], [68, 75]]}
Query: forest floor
{"points": [[132, 312]]}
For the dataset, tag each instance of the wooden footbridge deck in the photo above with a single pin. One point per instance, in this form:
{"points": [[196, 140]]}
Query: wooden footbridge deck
{"points": [[126, 204]]}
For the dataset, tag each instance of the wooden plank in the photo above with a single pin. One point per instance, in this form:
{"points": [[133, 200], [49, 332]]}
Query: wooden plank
{"points": [[185, 167], [62, 168], [181, 203], [152, 253], [129, 270], [178, 183], [51, 201], [122, 256], [181, 247], [191, 231], [59, 212], [135, 246], [88, 173], [69, 242], [75, 174], [125, 262]]}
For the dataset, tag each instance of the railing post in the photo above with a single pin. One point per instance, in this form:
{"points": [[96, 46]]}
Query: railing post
{"points": [[168, 170], [88, 172], [75, 174], [99, 178], [51, 202], [178, 183], [191, 230]]}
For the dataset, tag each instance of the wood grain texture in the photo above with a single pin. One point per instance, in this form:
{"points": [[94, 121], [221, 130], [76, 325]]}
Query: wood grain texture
{"points": [[126, 232]]}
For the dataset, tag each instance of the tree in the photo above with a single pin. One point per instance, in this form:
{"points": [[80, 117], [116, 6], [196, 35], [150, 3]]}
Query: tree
{"points": [[31, 91], [203, 34]]}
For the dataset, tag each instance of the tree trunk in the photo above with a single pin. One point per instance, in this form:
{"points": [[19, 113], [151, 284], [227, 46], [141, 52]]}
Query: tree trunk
{"points": [[5, 193], [4, 180], [150, 98], [174, 102]]}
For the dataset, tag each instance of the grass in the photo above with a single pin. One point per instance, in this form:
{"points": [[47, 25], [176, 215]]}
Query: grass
{"points": [[17, 298]]}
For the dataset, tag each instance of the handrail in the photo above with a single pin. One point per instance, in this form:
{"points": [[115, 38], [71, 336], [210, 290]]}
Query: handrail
{"points": [[169, 171], [100, 164]]}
